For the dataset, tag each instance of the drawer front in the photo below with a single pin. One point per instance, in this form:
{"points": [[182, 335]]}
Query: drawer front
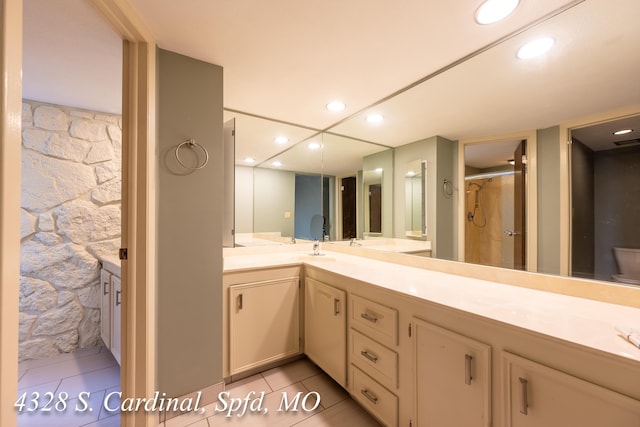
{"points": [[374, 358], [375, 320], [379, 401]]}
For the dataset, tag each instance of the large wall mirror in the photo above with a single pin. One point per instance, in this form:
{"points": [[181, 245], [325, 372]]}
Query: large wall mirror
{"points": [[589, 75]]}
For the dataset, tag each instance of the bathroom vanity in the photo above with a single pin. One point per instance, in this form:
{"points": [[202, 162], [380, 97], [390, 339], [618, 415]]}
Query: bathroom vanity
{"points": [[111, 305], [417, 347]]}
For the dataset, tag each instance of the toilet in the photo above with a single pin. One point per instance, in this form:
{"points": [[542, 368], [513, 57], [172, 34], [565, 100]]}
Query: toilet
{"points": [[628, 260]]}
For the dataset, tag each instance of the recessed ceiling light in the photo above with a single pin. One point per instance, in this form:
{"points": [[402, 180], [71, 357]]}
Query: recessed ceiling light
{"points": [[535, 48], [313, 145], [249, 160], [282, 139], [277, 164], [623, 131], [336, 106], [375, 118], [495, 10]]}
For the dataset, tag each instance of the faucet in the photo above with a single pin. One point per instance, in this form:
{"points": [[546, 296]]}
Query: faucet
{"points": [[293, 240], [316, 248], [354, 242]]}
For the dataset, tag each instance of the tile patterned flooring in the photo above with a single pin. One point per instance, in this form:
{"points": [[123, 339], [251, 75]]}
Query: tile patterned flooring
{"points": [[95, 371]]}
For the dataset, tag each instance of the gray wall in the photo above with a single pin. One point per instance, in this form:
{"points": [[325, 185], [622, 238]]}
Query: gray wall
{"points": [[548, 200], [438, 152], [244, 199], [189, 235], [273, 195], [617, 205], [582, 199]]}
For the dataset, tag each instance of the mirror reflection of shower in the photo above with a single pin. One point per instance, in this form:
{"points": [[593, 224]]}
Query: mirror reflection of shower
{"points": [[477, 216], [491, 234]]}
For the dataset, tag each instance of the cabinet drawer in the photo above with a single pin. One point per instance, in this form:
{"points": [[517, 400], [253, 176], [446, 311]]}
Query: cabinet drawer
{"points": [[377, 321], [374, 358], [375, 398]]}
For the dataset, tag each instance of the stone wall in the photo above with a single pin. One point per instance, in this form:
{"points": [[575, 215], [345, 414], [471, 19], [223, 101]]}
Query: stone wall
{"points": [[70, 215]]}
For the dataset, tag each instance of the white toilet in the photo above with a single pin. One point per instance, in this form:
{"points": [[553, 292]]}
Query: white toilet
{"points": [[628, 260]]}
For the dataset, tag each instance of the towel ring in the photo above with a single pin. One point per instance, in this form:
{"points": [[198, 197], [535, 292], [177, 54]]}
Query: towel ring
{"points": [[447, 188], [191, 143]]}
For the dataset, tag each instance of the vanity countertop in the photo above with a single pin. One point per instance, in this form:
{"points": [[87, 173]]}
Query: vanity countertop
{"points": [[581, 321], [111, 263]]}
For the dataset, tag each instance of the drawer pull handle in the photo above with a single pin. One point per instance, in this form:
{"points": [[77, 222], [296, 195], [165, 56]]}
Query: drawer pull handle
{"points": [[366, 393], [524, 405], [467, 369], [118, 302], [240, 302], [368, 317], [371, 357], [105, 287], [336, 306]]}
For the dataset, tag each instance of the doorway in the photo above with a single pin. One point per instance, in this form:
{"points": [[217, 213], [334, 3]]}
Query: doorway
{"points": [[605, 196], [349, 188], [375, 208], [495, 200], [72, 129]]}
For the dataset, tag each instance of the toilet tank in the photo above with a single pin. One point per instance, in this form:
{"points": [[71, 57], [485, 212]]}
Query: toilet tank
{"points": [[628, 260]]}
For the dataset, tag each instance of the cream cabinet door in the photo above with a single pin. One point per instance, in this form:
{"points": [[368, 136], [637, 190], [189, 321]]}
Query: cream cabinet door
{"points": [[453, 378], [325, 328], [544, 397], [105, 307], [264, 323], [116, 323]]}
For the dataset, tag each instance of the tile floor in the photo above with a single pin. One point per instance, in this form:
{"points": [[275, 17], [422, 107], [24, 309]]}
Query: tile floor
{"points": [[96, 372], [92, 371]]}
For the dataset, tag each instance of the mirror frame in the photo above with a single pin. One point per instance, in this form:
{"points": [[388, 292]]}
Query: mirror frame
{"points": [[532, 192]]}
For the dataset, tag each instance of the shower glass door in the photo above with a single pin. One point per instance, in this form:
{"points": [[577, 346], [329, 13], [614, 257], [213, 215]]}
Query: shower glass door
{"points": [[494, 187]]}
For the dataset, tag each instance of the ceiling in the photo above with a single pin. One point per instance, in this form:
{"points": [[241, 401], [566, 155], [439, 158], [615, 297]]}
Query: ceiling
{"points": [[285, 60]]}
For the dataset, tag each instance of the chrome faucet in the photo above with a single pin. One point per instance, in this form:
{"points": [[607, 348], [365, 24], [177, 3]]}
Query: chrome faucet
{"points": [[354, 242], [293, 240], [316, 247]]}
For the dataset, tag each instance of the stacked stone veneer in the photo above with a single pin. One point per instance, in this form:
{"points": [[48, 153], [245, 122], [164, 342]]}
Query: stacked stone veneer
{"points": [[70, 215]]}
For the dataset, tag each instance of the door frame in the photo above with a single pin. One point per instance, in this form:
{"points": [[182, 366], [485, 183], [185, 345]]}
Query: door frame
{"points": [[138, 203], [531, 198]]}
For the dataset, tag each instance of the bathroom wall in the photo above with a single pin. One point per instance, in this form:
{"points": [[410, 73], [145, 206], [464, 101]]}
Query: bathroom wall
{"points": [[617, 205], [548, 159], [582, 220], [244, 199], [438, 152], [274, 194], [70, 214]]}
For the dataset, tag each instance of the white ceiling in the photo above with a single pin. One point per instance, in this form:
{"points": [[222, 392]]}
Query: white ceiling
{"points": [[286, 59]]}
